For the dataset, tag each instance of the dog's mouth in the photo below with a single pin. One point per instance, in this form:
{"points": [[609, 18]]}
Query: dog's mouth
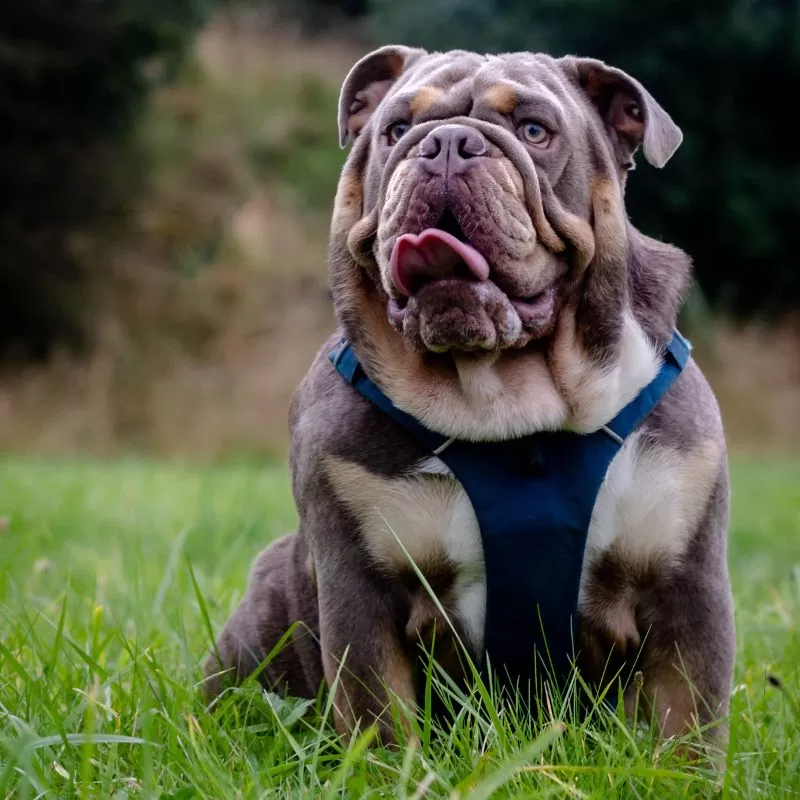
{"points": [[440, 263]]}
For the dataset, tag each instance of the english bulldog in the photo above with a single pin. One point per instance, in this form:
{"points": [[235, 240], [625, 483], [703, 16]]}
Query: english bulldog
{"points": [[490, 288]]}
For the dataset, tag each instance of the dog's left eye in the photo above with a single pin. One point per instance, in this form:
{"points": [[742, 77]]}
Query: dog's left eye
{"points": [[534, 133], [396, 130]]}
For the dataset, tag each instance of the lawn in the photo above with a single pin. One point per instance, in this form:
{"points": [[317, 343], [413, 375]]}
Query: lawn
{"points": [[112, 575]]}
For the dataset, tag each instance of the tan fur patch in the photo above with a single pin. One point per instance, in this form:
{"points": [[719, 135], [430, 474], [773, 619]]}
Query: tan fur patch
{"points": [[311, 570], [349, 193], [433, 518], [668, 692], [426, 97], [596, 393], [360, 233], [578, 232], [510, 178], [480, 382], [344, 718], [609, 221], [429, 514], [396, 671], [502, 98], [348, 202]]}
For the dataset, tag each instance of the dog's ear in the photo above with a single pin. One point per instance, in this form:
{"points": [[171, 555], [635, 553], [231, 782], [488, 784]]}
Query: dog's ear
{"points": [[629, 110], [367, 84]]}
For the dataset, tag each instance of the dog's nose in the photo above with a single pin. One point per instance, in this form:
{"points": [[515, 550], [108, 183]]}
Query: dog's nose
{"points": [[450, 149]]}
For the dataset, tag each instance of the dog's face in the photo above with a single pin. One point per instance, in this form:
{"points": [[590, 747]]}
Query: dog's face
{"points": [[478, 195], [464, 154]]}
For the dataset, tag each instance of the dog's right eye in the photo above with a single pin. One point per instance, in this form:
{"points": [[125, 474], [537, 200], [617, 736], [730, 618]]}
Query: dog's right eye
{"points": [[396, 130], [534, 133]]}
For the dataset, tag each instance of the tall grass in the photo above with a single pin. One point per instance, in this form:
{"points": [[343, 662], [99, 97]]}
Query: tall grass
{"points": [[115, 576]]}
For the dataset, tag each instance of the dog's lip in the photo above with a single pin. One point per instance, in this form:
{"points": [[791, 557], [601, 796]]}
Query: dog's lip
{"points": [[531, 310], [397, 312], [418, 258], [535, 309]]}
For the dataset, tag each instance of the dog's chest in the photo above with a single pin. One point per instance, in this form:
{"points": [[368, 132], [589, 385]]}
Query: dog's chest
{"points": [[640, 514]]}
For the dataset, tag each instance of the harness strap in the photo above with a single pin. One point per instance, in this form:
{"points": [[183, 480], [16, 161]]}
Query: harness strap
{"points": [[533, 498], [345, 360], [677, 355]]}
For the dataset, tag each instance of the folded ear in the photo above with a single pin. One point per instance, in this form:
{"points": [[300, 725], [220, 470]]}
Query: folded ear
{"points": [[367, 84], [629, 110]]}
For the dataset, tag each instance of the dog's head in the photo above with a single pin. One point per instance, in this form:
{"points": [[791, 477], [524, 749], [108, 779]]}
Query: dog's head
{"points": [[483, 202]]}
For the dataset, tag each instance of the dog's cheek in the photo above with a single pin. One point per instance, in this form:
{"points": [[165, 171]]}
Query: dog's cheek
{"points": [[353, 227], [401, 210], [348, 203], [498, 223]]}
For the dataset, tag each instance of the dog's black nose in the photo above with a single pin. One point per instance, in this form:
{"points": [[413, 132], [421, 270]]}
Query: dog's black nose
{"points": [[450, 149]]}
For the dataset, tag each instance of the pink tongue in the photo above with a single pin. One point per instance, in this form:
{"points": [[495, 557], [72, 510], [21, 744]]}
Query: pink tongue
{"points": [[419, 258]]}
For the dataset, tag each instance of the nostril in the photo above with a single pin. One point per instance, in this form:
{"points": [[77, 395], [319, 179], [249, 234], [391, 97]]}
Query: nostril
{"points": [[472, 145], [430, 147]]}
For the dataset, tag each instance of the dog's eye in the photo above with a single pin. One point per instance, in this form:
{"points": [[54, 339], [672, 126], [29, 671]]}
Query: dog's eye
{"points": [[396, 130], [534, 133]]}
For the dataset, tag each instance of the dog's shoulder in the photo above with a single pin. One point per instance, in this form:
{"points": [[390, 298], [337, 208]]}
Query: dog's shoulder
{"points": [[404, 502], [688, 412], [329, 421]]}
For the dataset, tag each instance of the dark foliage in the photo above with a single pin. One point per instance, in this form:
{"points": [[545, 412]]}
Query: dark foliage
{"points": [[73, 74], [319, 15]]}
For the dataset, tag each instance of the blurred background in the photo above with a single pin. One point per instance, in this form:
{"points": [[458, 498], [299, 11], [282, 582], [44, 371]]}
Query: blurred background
{"points": [[168, 169]]}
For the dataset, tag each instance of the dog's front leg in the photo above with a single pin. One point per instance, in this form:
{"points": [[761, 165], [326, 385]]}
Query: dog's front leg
{"points": [[685, 617], [365, 663], [656, 594], [687, 657]]}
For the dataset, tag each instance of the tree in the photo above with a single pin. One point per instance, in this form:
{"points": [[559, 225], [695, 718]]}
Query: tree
{"points": [[73, 75]]}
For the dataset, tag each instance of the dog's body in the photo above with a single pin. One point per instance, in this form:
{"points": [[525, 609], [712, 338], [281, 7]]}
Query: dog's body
{"points": [[553, 314]]}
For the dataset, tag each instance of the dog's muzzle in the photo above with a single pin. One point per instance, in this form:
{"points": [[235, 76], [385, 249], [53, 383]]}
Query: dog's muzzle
{"points": [[462, 271]]}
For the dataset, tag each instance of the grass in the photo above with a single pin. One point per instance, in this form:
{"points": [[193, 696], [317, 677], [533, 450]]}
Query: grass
{"points": [[113, 574]]}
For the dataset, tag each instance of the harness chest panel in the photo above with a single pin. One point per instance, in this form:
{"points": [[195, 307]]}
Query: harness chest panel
{"points": [[533, 499]]}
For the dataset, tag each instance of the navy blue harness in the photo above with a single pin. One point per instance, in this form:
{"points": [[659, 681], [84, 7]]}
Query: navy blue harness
{"points": [[533, 498]]}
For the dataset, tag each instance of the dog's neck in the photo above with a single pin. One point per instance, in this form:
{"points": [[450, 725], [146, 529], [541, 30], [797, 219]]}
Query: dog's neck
{"points": [[658, 276]]}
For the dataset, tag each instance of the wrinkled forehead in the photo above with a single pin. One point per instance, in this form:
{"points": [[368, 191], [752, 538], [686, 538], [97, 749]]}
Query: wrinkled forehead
{"points": [[450, 84]]}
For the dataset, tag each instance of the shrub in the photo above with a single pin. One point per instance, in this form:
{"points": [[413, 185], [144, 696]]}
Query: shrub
{"points": [[74, 74]]}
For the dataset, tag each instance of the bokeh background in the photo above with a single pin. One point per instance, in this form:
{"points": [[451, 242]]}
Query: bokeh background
{"points": [[167, 176]]}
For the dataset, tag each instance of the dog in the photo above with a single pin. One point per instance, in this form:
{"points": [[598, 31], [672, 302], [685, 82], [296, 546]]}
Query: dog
{"points": [[497, 308]]}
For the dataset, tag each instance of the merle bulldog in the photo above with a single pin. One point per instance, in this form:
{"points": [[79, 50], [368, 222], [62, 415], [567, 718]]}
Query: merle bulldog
{"points": [[506, 409]]}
